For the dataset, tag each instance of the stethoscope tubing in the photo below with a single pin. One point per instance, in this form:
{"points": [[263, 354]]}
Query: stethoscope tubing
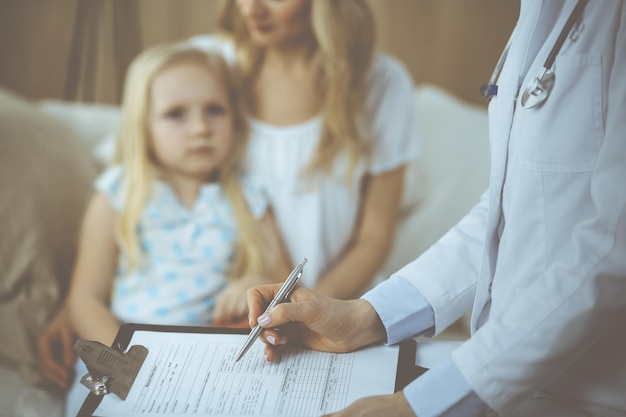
{"points": [[491, 89], [571, 20]]}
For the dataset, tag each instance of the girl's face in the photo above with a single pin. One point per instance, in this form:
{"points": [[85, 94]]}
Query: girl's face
{"points": [[276, 22], [190, 120]]}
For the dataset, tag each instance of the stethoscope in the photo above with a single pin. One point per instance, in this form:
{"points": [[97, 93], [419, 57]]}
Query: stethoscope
{"points": [[539, 89]]}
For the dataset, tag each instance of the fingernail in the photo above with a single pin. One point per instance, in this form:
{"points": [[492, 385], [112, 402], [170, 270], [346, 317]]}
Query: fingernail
{"points": [[250, 321], [264, 319], [271, 339]]}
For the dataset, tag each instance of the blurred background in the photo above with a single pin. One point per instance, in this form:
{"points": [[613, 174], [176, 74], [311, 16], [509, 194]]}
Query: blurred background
{"points": [[78, 50]]}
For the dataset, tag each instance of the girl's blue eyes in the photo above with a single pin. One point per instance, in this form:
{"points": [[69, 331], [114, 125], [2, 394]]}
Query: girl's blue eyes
{"points": [[215, 110], [175, 114], [211, 110]]}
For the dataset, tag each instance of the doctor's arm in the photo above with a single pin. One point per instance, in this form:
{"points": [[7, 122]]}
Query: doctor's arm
{"points": [[422, 299]]}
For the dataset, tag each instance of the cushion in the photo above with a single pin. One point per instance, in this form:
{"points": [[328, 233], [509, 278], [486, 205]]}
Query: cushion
{"points": [[19, 399], [454, 165], [95, 124], [45, 183]]}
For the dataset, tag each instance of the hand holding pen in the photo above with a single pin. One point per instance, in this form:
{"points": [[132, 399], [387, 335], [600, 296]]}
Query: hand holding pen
{"points": [[313, 320], [282, 295]]}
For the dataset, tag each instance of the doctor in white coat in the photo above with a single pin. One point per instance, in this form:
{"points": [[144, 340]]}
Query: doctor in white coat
{"points": [[540, 261]]}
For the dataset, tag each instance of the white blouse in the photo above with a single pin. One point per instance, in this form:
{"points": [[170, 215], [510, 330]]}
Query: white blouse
{"points": [[316, 217]]}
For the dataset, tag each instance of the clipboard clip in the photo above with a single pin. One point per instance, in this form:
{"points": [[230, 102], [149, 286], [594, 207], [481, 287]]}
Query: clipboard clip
{"points": [[109, 370]]}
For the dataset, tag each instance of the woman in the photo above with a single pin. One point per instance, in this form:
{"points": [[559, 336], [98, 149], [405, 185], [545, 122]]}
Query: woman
{"points": [[332, 129]]}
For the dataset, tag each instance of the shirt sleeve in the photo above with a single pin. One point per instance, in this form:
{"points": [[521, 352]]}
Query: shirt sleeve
{"points": [[447, 273], [402, 308], [111, 183], [405, 313], [391, 109], [443, 391]]}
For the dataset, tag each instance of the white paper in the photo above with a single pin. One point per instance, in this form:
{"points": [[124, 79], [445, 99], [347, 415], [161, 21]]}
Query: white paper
{"points": [[196, 375]]}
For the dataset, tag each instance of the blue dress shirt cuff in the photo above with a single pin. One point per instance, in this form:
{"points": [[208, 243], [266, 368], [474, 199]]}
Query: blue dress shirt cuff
{"points": [[402, 308], [443, 391]]}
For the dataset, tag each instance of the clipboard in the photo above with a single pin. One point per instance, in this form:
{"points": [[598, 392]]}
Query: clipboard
{"points": [[406, 370]]}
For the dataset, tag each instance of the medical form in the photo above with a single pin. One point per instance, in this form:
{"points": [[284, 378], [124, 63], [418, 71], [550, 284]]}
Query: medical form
{"points": [[193, 374]]}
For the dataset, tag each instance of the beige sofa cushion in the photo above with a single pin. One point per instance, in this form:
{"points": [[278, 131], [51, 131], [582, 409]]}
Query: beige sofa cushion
{"points": [[95, 124], [454, 163], [45, 182]]}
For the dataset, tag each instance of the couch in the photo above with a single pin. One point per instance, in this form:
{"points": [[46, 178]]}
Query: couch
{"points": [[50, 152]]}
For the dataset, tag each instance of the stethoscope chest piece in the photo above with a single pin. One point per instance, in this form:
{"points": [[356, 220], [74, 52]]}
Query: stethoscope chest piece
{"points": [[538, 90]]}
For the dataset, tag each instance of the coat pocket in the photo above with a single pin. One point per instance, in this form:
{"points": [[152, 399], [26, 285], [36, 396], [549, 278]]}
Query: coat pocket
{"points": [[565, 133]]}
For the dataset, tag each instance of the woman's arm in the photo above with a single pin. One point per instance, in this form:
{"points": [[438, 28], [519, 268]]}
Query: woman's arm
{"points": [[373, 236], [392, 111], [92, 279]]}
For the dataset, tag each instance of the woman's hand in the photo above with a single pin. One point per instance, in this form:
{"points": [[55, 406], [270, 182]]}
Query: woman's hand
{"points": [[55, 346], [394, 405], [313, 320]]}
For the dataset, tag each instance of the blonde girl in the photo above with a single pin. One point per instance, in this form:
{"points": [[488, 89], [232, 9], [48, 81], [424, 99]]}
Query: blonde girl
{"points": [[174, 234], [332, 129]]}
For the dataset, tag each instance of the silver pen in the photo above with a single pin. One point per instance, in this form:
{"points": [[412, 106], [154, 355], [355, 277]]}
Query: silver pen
{"points": [[281, 295]]}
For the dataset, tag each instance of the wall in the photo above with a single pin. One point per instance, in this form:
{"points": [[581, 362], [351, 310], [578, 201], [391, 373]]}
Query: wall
{"points": [[451, 43]]}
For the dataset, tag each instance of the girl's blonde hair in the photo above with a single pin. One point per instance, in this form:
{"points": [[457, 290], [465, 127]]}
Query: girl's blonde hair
{"points": [[344, 38], [132, 152]]}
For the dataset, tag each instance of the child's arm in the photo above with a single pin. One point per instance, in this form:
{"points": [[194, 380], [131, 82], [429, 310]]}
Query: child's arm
{"points": [[232, 305], [54, 346], [93, 274]]}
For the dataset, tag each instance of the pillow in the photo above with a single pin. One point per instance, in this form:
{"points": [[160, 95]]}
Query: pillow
{"points": [[95, 124], [454, 165], [45, 183]]}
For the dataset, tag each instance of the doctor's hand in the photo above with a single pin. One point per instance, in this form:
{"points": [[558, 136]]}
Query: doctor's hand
{"points": [[313, 320], [394, 405]]}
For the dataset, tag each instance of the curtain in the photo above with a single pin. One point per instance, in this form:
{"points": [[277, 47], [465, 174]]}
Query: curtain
{"points": [[106, 37]]}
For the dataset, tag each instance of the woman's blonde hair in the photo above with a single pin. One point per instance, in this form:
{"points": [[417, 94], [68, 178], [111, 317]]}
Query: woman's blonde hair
{"points": [[344, 38], [133, 153]]}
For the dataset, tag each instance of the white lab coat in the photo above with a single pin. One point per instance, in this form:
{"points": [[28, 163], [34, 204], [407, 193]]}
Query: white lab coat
{"points": [[542, 258]]}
